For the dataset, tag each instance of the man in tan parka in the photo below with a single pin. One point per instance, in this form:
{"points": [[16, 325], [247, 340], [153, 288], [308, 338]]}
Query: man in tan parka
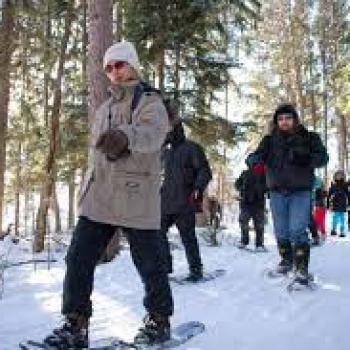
{"points": [[121, 189]]}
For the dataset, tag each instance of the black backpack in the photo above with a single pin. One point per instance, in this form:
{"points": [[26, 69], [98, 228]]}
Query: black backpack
{"points": [[144, 87]]}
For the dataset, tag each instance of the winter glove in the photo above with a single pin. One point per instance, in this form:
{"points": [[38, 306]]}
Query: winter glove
{"points": [[114, 144], [259, 168], [196, 200]]}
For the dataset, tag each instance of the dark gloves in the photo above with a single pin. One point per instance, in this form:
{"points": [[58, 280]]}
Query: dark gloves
{"points": [[114, 144], [300, 156], [259, 168], [196, 200]]}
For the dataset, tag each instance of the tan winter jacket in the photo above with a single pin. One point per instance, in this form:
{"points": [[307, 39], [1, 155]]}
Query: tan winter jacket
{"points": [[126, 193]]}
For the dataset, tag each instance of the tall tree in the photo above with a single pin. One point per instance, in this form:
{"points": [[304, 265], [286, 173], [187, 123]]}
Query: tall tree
{"points": [[50, 166], [100, 14], [7, 26]]}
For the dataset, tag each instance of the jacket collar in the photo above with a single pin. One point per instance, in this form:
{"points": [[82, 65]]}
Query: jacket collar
{"points": [[119, 91]]}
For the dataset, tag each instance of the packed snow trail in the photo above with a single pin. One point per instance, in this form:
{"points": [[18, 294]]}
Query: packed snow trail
{"points": [[242, 310]]}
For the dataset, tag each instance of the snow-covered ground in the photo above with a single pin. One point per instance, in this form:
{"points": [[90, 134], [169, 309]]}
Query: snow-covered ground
{"points": [[242, 310]]}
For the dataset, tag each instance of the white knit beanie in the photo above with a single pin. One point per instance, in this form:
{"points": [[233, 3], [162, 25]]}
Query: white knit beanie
{"points": [[122, 51]]}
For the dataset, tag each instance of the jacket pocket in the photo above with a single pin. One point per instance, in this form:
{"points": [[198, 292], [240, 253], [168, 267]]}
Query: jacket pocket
{"points": [[132, 198]]}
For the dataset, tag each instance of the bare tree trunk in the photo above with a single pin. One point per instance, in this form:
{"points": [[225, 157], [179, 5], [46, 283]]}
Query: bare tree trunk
{"points": [[24, 115], [336, 54], [342, 143], [26, 212], [50, 167], [312, 96], [85, 39], [311, 62], [160, 70], [84, 58], [298, 27], [22, 150], [71, 203], [47, 65], [119, 19], [18, 187], [17, 205], [327, 61], [6, 48], [100, 38], [300, 92], [177, 72], [313, 111], [41, 219], [56, 209], [325, 105], [33, 220]]}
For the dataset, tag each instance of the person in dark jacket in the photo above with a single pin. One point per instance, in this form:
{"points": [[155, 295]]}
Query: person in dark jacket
{"points": [[252, 189], [337, 201], [186, 176], [290, 153]]}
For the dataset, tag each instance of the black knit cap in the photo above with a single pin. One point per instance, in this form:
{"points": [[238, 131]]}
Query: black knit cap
{"points": [[285, 108]]}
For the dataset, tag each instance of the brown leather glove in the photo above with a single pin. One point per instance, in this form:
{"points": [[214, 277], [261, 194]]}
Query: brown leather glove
{"points": [[114, 144]]}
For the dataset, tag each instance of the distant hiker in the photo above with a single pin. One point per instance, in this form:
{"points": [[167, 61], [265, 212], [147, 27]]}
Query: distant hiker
{"points": [[186, 177], [337, 202], [251, 185], [290, 154], [320, 209]]}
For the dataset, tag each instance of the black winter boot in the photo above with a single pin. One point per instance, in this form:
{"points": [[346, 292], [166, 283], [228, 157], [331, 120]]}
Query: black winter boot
{"points": [[196, 274], [286, 254], [301, 263], [315, 241], [259, 241], [244, 238], [74, 333], [155, 330]]}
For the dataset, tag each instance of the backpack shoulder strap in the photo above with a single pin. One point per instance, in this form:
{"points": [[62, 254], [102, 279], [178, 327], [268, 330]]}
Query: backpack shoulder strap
{"points": [[140, 89]]}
